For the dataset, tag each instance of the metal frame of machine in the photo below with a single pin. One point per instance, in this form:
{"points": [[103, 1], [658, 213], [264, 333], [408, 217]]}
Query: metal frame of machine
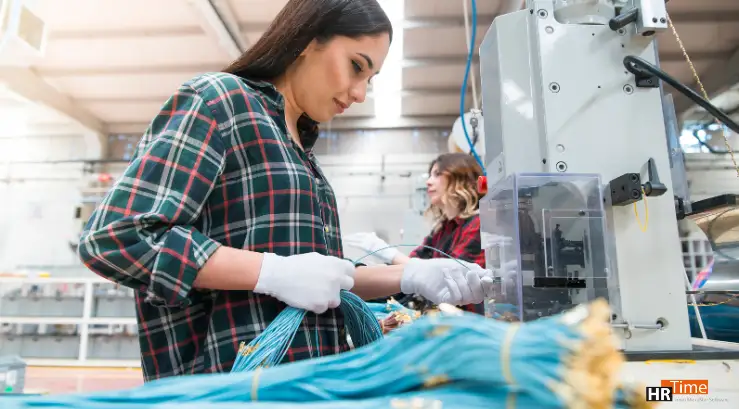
{"points": [[560, 97]]}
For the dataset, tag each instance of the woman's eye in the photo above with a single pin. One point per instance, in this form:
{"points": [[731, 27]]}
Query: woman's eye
{"points": [[357, 67]]}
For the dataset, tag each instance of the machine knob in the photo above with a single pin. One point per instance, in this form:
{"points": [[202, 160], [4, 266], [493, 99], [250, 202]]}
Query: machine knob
{"points": [[482, 185]]}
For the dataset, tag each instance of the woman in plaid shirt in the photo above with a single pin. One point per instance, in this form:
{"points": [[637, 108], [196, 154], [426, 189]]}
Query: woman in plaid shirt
{"points": [[454, 202], [223, 217]]}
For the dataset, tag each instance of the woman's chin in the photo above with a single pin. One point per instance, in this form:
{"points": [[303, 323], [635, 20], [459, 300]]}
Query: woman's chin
{"points": [[435, 201]]}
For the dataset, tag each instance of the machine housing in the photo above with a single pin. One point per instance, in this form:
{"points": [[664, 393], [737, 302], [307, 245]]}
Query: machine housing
{"points": [[546, 235], [559, 102]]}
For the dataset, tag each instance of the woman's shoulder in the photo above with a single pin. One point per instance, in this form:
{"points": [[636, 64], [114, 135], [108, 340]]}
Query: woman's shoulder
{"points": [[471, 223], [229, 93]]}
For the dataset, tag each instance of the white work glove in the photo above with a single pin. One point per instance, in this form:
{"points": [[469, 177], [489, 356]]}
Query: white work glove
{"points": [[370, 243], [447, 281], [307, 281]]}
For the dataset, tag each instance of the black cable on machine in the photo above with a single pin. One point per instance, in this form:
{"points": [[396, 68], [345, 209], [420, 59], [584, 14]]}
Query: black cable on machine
{"points": [[710, 148], [639, 66]]}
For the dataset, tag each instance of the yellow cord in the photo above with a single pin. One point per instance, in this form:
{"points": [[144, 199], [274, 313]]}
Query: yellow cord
{"points": [[505, 353], [703, 89], [255, 383], [511, 400], [732, 298], [643, 227]]}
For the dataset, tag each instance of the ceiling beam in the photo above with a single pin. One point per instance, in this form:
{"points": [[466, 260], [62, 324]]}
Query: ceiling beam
{"points": [[340, 123], [407, 92], [29, 86], [716, 78], [218, 21], [220, 11], [195, 68]]}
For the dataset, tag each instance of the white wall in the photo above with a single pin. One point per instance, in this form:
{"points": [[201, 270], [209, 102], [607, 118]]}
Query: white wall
{"points": [[711, 175], [37, 201]]}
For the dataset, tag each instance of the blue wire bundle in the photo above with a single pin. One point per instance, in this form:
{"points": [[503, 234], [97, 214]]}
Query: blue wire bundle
{"points": [[383, 310], [566, 361], [269, 348], [458, 396], [719, 321]]}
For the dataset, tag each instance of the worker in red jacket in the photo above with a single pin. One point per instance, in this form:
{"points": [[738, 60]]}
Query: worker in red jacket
{"points": [[454, 200]]}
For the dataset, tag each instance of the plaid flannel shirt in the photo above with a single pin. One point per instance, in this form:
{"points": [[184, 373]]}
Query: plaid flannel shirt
{"points": [[216, 167], [460, 238]]}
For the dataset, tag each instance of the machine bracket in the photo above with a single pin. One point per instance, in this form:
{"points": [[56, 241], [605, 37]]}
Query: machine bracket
{"points": [[649, 16], [627, 188]]}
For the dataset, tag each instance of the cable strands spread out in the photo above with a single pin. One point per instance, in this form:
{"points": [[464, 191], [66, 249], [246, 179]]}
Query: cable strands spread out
{"points": [[441, 361]]}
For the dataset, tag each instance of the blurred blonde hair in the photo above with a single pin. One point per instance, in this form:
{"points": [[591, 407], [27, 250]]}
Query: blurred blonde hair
{"points": [[461, 172]]}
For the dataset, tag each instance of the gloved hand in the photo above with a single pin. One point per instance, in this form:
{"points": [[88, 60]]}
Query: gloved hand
{"points": [[447, 281], [308, 281], [369, 242]]}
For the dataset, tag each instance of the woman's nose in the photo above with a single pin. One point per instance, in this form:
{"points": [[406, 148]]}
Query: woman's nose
{"points": [[358, 92]]}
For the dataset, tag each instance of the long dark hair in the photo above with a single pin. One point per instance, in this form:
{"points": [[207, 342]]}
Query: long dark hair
{"points": [[299, 23]]}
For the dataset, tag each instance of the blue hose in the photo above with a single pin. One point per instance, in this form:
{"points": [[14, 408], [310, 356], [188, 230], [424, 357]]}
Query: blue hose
{"points": [[463, 93]]}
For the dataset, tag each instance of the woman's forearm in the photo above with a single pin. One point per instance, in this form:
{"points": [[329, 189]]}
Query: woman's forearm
{"points": [[400, 258], [230, 269], [235, 269], [377, 281]]}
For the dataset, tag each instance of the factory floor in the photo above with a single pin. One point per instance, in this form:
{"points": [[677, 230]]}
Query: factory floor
{"points": [[54, 380]]}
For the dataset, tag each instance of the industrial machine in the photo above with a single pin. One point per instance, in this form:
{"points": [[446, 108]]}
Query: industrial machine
{"points": [[584, 176]]}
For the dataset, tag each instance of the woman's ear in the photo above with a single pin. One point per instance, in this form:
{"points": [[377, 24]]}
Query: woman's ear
{"points": [[311, 47]]}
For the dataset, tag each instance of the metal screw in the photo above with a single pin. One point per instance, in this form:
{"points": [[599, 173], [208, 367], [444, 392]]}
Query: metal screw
{"points": [[554, 87], [621, 31], [561, 166], [628, 89], [663, 20], [549, 29], [654, 19], [543, 13]]}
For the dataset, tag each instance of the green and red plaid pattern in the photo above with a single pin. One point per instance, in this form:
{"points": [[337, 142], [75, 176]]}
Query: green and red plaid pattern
{"points": [[460, 238], [216, 167]]}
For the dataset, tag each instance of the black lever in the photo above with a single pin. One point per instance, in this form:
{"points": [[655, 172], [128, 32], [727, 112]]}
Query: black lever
{"points": [[624, 19], [653, 186]]}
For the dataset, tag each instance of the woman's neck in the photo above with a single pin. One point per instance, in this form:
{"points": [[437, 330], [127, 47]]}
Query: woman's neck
{"points": [[450, 212], [292, 112]]}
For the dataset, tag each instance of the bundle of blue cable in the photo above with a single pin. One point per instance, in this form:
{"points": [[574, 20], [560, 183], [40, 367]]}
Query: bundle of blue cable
{"points": [[719, 321], [383, 310], [269, 348], [450, 361]]}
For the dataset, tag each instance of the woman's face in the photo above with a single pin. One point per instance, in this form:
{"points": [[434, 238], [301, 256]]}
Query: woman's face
{"points": [[436, 185], [330, 77]]}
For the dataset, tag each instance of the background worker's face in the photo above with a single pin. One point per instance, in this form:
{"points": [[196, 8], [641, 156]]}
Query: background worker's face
{"points": [[436, 185], [330, 77]]}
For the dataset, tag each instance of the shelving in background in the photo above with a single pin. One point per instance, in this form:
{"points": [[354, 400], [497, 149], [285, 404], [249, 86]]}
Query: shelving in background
{"points": [[68, 321]]}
